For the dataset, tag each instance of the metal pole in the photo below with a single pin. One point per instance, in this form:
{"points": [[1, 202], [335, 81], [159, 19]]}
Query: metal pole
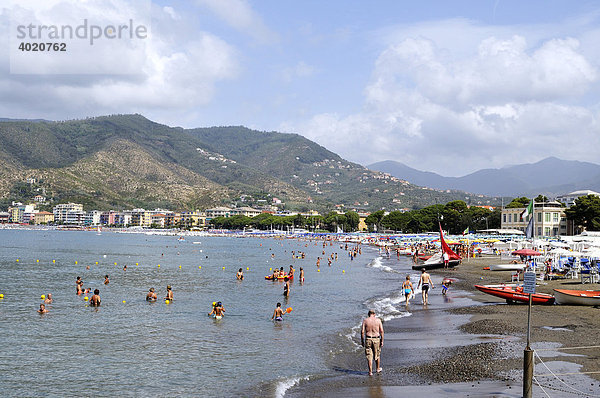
{"points": [[528, 359]]}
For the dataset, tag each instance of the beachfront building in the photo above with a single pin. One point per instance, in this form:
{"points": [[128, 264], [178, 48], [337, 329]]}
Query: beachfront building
{"points": [[62, 213], [245, 211], [549, 219], [43, 217], [92, 217], [569, 199], [191, 219], [20, 213], [4, 217], [217, 212]]}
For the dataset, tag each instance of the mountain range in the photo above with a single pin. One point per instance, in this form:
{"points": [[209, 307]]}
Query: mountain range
{"points": [[549, 177], [124, 161]]}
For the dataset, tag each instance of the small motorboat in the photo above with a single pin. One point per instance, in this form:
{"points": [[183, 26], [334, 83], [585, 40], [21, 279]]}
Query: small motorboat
{"points": [[577, 297], [512, 293]]}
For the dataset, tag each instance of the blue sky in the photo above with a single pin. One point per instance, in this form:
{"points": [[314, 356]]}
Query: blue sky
{"points": [[444, 86]]}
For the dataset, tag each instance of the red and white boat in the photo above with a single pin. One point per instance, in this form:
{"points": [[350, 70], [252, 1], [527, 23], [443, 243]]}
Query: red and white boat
{"points": [[437, 260], [512, 293], [577, 297]]}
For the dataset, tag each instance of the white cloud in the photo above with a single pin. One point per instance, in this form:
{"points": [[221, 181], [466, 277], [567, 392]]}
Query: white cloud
{"points": [[454, 108], [240, 15], [177, 73], [301, 69]]}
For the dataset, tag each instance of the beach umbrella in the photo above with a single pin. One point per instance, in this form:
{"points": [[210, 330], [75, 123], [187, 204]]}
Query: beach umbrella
{"points": [[526, 252]]}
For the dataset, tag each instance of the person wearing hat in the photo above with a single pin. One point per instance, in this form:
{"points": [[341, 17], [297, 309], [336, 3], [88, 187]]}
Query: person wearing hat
{"points": [[151, 296], [169, 293]]}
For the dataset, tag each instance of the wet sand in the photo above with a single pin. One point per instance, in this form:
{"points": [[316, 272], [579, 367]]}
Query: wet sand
{"points": [[471, 344]]}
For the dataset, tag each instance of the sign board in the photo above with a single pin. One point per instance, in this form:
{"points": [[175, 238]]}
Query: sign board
{"points": [[529, 282]]}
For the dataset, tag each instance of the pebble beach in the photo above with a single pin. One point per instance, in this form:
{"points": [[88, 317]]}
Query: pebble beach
{"points": [[471, 344]]}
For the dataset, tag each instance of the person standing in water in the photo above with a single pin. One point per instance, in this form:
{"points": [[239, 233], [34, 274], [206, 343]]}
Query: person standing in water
{"points": [[169, 293], [408, 289], [371, 337], [106, 280], [286, 287], [278, 313], [240, 275], [42, 309], [151, 296], [425, 283], [95, 300], [48, 299]]}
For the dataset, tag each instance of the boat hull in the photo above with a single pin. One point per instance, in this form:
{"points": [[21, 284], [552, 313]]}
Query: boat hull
{"points": [[577, 297], [510, 294], [451, 264]]}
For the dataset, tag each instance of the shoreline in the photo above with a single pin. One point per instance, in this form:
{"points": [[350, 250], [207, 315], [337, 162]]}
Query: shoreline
{"points": [[474, 345]]}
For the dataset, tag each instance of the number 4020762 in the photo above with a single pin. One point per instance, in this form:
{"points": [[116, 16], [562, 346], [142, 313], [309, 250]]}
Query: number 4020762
{"points": [[42, 46]]}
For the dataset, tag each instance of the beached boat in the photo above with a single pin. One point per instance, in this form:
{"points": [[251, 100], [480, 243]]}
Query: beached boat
{"points": [[512, 293], [507, 267], [437, 261], [577, 297]]}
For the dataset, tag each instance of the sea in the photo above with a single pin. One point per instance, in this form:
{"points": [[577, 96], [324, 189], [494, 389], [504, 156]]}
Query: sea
{"points": [[130, 347]]}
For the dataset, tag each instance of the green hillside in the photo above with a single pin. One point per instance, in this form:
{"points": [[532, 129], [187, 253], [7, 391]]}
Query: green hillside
{"points": [[123, 161]]}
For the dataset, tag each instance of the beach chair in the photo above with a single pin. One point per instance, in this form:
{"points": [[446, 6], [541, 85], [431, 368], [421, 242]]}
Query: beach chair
{"points": [[588, 274]]}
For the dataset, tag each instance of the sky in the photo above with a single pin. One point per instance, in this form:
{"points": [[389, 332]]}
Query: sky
{"points": [[444, 86]]}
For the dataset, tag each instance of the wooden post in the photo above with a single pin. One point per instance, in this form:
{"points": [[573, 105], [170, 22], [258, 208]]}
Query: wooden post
{"points": [[528, 358]]}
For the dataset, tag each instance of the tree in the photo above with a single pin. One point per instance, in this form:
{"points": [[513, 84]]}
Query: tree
{"points": [[585, 212], [351, 222], [518, 202], [541, 199], [374, 220]]}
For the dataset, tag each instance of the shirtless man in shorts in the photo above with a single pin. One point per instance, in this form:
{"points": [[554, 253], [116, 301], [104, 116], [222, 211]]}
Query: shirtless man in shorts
{"points": [[278, 313], [425, 283], [371, 337]]}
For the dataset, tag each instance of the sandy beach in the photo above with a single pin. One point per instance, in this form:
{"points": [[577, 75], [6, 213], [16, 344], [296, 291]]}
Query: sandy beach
{"points": [[471, 344]]}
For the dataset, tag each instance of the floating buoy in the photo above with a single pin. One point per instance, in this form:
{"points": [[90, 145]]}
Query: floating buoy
{"points": [[43, 297], [17, 260], [158, 265], [75, 262], [53, 261], [115, 263], [223, 267], [1, 296], [318, 270], [85, 298], [96, 262], [214, 303], [123, 301], [199, 267], [167, 301], [136, 264], [270, 269], [180, 267], [343, 271], [37, 261], [247, 268]]}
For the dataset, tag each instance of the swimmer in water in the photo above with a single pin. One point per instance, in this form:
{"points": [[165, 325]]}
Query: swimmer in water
{"points": [[151, 296], [48, 299], [106, 281], [42, 309], [79, 285], [301, 274], [240, 275], [218, 311], [278, 313], [169, 293], [286, 287], [291, 272], [95, 300]]}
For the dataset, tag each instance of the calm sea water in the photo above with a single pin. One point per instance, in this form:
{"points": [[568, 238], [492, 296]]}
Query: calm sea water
{"points": [[154, 349]]}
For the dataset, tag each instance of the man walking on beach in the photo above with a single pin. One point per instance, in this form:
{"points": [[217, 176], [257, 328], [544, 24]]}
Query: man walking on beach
{"points": [[371, 337], [425, 283]]}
